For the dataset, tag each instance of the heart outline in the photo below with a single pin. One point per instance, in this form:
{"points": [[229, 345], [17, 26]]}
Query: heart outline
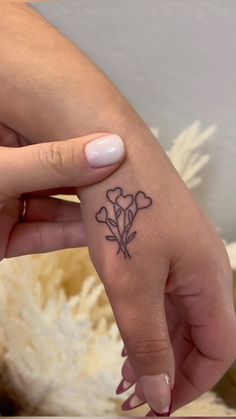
{"points": [[110, 192], [141, 198], [102, 215], [125, 198]]}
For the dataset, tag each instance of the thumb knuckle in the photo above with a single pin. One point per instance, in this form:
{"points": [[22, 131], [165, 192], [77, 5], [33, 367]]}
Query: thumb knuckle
{"points": [[58, 157]]}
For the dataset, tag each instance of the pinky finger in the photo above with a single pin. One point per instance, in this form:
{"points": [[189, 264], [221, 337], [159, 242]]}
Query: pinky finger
{"points": [[41, 237]]}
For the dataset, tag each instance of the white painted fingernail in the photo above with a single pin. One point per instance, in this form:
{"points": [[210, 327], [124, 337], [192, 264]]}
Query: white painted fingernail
{"points": [[105, 151]]}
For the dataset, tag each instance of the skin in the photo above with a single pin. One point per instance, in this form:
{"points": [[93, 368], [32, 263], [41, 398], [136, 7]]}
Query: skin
{"points": [[31, 175], [173, 300]]}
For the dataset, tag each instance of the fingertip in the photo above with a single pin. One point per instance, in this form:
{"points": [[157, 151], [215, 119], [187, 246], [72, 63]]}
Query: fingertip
{"points": [[104, 151], [157, 391]]}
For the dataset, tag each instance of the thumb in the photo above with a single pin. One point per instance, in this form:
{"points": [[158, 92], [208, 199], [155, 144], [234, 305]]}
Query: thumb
{"points": [[143, 327], [76, 162]]}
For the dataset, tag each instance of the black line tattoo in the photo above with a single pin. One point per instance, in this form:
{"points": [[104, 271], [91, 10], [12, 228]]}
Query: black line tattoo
{"points": [[125, 209]]}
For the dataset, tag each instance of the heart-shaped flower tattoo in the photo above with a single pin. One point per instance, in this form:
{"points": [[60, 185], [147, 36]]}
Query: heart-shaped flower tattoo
{"points": [[101, 216], [124, 202], [142, 200], [120, 223], [112, 194]]}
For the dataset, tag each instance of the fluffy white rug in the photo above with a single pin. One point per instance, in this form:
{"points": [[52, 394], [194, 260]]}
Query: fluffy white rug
{"points": [[59, 345]]}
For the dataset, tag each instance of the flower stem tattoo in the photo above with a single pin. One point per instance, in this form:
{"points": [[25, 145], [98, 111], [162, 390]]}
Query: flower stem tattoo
{"points": [[120, 223]]}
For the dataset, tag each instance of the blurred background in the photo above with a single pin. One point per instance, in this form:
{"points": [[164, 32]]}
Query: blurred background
{"points": [[175, 62]]}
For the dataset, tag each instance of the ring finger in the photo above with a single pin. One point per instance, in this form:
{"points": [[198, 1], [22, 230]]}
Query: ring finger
{"points": [[51, 210]]}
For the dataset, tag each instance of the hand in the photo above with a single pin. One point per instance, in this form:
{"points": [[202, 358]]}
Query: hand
{"points": [[176, 254], [168, 279], [30, 175]]}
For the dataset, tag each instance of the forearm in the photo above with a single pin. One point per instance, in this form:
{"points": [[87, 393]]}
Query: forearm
{"points": [[50, 89], [46, 81]]}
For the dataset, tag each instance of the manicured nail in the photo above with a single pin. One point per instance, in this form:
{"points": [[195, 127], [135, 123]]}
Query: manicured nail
{"points": [[132, 402], [124, 353], [152, 413], [123, 386], [105, 151], [157, 391], [163, 414]]}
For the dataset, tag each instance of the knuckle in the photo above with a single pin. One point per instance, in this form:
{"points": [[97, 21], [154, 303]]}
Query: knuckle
{"points": [[148, 350], [38, 240], [58, 157], [64, 236]]}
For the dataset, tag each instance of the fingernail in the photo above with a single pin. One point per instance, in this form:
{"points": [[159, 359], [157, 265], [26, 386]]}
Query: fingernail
{"points": [[152, 413], [123, 386], [132, 402], [104, 151], [157, 391]]}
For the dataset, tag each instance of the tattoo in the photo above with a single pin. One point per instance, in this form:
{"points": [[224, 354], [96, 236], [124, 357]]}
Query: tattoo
{"points": [[125, 209]]}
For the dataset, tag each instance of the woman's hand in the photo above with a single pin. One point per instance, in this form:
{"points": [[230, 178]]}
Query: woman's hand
{"points": [[173, 299], [168, 279], [39, 171]]}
